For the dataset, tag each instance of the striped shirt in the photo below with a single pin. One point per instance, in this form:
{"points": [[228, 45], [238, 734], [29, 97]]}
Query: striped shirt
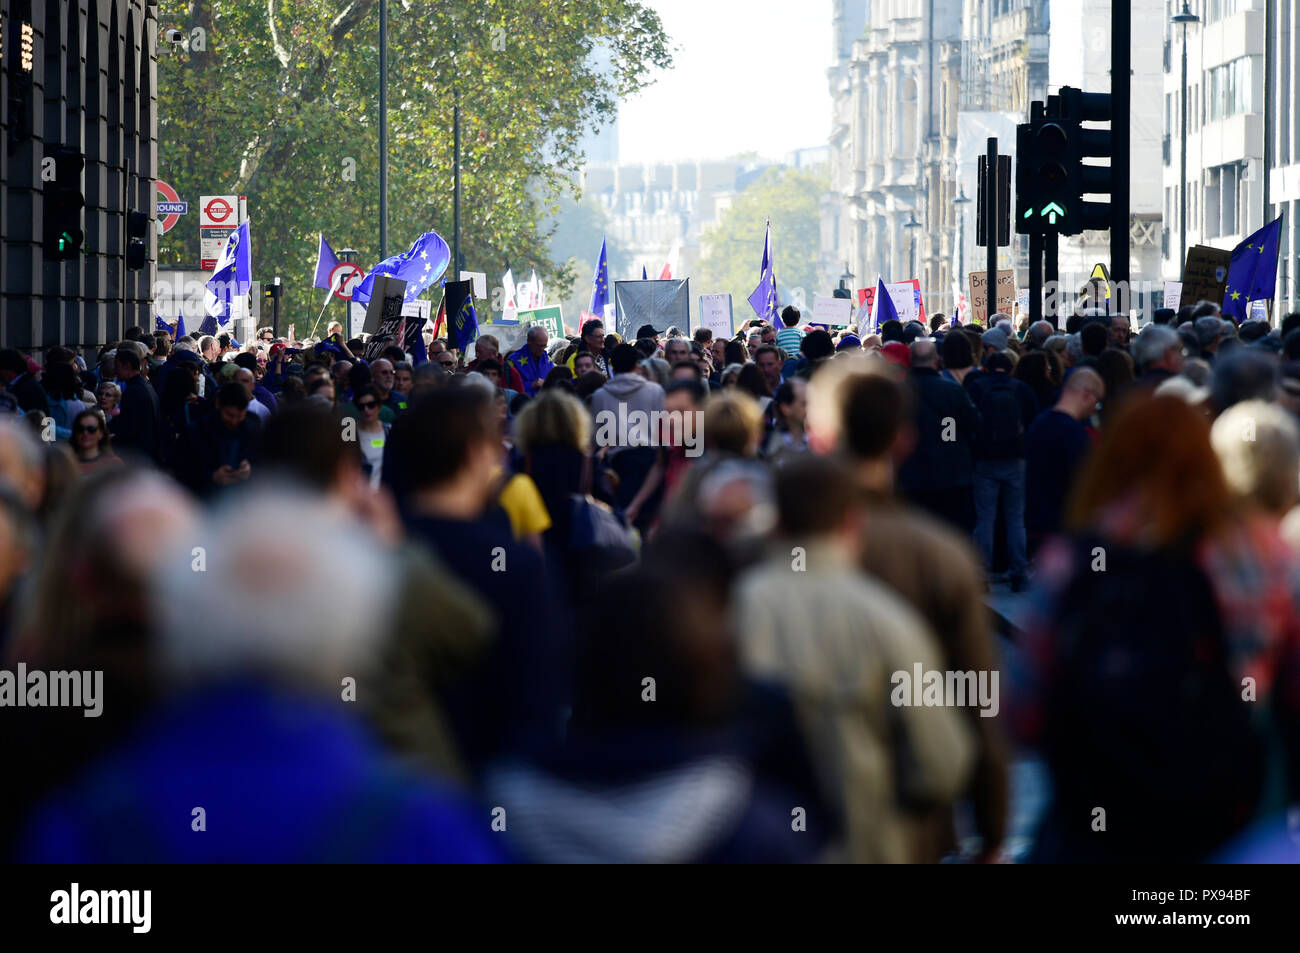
{"points": [[788, 340]]}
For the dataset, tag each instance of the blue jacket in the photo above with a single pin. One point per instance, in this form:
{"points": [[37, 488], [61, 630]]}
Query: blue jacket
{"points": [[532, 370], [280, 778]]}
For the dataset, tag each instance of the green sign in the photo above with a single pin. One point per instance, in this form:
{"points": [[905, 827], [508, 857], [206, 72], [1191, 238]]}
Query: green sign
{"points": [[549, 318]]}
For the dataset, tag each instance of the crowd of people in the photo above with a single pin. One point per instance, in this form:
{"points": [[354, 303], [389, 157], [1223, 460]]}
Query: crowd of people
{"points": [[351, 607]]}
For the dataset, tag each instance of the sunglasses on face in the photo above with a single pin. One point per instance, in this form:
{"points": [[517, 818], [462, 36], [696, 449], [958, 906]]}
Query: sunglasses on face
{"points": [[450, 362], [368, 404], [88, 428]]}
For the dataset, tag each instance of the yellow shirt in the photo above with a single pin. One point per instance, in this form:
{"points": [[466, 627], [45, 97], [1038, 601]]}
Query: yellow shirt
{"points": [[524, 505]]}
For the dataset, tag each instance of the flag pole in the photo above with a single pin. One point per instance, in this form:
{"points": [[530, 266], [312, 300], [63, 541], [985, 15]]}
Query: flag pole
{"points": [[776, 301], [329, 294]]}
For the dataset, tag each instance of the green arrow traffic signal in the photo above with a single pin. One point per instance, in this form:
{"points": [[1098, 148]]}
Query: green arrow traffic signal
{"points": [[1051, 210]]}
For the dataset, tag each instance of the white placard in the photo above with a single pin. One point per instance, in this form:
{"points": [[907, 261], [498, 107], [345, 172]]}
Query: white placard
{"points": [[480, 282], [356, 318], [907, 300], [1173, 294], [715, 314], [419, 308], [835, 312]]}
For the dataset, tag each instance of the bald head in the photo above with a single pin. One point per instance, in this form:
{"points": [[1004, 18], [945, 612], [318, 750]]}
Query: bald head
{"points": [[1083, 377], [1080, 394], [1038, 332], [925, 354]]}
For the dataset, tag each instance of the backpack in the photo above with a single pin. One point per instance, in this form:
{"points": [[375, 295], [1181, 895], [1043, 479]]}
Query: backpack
{"points": [[1144, 717], [1001, 428]]}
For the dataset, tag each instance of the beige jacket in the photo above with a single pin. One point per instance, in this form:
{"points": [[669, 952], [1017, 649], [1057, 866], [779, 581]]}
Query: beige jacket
{"points": [[835, 637]]}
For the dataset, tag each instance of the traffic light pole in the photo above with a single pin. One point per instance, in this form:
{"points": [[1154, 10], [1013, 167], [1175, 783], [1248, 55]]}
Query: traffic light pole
{"points": [[991, 231], [1121, 80], [1052, 272], [1036, 279]]}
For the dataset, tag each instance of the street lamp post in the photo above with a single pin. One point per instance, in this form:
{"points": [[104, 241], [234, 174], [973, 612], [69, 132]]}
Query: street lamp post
{"points": [[1183, 18], [912, 225], [845, 290], [349, 255], [383, 129], [961, 201]]}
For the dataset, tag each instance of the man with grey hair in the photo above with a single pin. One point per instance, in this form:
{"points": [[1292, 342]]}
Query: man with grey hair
{"points": [[1159, 355], [676, 349], [531, 361], [1209, 332], [1073, 349], [1038, 334]]}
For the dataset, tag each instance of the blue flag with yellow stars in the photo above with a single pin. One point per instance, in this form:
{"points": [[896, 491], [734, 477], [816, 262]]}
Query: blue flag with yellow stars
{"points": [[600, 285], [1252, 272], [463, 320], [419, 266]]}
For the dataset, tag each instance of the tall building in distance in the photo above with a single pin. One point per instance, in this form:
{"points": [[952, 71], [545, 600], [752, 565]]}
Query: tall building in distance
{"points": [[886, 136], [1225, 125], [1284, 174]]}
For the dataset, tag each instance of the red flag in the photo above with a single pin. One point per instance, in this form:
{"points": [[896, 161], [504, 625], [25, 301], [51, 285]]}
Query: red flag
{"points": [[440, 319]]}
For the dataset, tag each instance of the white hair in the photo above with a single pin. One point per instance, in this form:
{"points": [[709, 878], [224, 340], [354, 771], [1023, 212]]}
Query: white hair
{"points": [[1152, 344], [475, 379], [333, 592], [1258, 445]]}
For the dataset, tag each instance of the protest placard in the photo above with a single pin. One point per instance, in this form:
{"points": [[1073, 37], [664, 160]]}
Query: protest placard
{"points": [[979, 299], [1205, 274]]}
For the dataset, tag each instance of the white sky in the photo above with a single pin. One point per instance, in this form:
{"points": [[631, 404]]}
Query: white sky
{"points": [[748, 75]]}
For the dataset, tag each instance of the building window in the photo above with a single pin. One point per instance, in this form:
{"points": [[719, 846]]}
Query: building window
{"points": [[1221, 200], [907, 119], [1216, 10], [1228, 90]]}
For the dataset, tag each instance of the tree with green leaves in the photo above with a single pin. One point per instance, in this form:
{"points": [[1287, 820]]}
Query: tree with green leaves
{"points": [[279, 102], [732, 250]]}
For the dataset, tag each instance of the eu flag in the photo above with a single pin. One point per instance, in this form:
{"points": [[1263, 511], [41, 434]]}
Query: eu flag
{"points": [[419, 266], [1252, 272], [160, 325], [232, 276], [180, 327], [884, 305], [463, 321], [763, 300], [600, 284]]}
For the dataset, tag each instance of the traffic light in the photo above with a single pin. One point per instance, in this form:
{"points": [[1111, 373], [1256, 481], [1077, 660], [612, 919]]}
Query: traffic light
{"points": [[137, 244], [63, 204], [1051, 176]]}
